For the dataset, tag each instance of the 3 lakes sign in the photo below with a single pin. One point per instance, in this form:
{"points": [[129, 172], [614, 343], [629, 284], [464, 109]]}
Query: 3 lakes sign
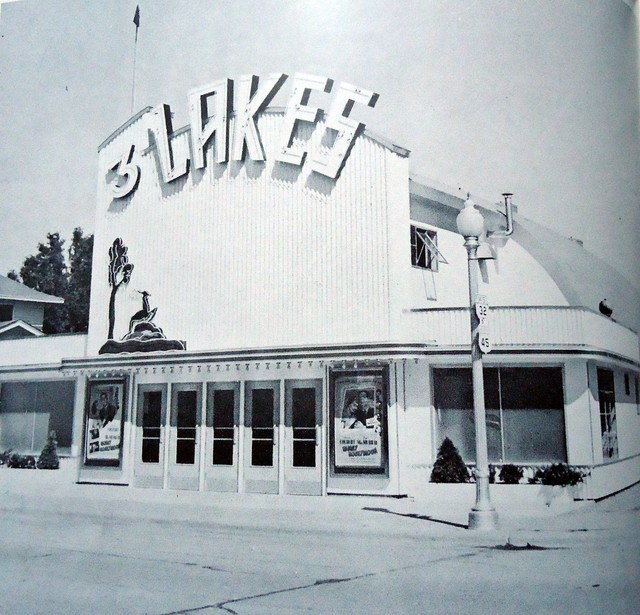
{"points": [[243, 100]]}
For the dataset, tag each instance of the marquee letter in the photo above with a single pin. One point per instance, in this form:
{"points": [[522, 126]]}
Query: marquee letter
{"points": [[201, 129], [162, 130], [297, 110], [130, 173], [331, 163], [248, 103]]}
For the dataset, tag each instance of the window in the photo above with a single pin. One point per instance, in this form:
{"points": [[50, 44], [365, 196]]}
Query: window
{"points": [[6, 312], [627, 385], [424, 249], [637, 387], [303, 427], [151, 426], [524, 413], [186, 426], [608, 426], [224, 404], [30, 410], [262, 427]]}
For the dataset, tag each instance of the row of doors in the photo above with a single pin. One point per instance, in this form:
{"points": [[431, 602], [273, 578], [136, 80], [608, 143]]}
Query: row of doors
{"points": [[244, 440]]}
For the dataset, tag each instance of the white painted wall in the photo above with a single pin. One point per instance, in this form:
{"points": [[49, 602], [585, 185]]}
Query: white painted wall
{"points": [[254, 254], [42, 350], [515, 277], [579, 415]]}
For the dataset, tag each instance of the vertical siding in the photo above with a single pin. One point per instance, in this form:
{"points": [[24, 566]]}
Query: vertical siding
{"points": [[248, 254]]}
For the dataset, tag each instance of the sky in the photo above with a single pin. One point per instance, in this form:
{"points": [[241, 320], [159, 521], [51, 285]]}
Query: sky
{"points": [[538, 98]]}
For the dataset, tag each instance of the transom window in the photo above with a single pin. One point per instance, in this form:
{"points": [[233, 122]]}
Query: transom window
{"points": [[424, 249]]}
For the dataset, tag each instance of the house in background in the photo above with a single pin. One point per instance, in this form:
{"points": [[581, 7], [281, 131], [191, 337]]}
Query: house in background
{"points": [[22, 309]]}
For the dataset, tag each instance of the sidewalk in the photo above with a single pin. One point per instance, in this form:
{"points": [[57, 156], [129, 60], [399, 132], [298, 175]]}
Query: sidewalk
{"points": [[107, 550], [30, 490]]}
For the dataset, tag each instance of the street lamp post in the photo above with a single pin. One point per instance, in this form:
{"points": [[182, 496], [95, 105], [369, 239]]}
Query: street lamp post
{"points": [[482, 516]]}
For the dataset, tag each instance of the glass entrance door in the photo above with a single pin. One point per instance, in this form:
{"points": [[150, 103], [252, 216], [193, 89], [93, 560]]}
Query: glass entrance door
{"points": [[223, 418], [148, 468], [261, 436], [303, 420], [184, 457]]}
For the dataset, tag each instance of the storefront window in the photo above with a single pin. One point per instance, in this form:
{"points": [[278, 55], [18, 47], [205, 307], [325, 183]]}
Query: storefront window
{"points": [[359, 434], [524, 413], [29, 411]]}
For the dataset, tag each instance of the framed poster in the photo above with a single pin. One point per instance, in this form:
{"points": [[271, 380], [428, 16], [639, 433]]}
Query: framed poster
{"points": [[359, 423], [104, 423]]}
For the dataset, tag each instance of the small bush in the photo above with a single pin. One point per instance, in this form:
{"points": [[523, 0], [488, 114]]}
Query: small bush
{"points": [[5, 456], [510, 474], [27, 462], [449, 466], [49, 459], [558, 474]]}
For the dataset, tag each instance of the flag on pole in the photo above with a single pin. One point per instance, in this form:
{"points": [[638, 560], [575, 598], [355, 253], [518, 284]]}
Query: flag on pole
{"points": [[136, 17]]}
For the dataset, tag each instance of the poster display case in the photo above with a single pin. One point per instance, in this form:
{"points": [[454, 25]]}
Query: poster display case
{"points": [[104, 423], [359, 422]]}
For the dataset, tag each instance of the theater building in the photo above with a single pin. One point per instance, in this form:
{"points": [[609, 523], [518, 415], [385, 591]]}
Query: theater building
{"points": [[280, 306]]}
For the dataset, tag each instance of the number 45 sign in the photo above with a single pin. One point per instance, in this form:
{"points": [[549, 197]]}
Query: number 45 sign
{"points": [[482, 312], [484, 341]]}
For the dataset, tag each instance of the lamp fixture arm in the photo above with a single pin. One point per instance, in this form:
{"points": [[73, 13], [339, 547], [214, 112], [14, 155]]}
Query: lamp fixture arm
{"points": [[508, 214]]}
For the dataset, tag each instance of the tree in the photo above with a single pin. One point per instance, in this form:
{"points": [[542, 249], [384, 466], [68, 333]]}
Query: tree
{"points": [[79, 292], [46, 272], [119, 273], [49, 459], [449, 466]]}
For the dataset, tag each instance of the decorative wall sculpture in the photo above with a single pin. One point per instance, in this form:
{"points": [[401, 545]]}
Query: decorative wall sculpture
{"points": [[143, 334]]}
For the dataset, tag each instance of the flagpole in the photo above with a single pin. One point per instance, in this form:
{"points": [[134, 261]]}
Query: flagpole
{"points": [[136, 20]]}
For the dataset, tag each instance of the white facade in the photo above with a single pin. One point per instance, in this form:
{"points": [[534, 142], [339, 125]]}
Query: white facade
{"points": [[251, 254], [288, 285]]}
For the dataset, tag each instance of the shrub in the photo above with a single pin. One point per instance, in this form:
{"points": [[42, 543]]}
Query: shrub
{"points": [[449, 467], [49, 459], [510, 474], [5, 456], [559, 474], [22, 461]]}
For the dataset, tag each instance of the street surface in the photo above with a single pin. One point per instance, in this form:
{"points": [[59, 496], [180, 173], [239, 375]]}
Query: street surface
{"points": [[100, 553]]}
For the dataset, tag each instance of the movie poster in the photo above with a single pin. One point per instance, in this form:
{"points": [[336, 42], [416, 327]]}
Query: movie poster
{"points": [[104, 422], [359, 422]]}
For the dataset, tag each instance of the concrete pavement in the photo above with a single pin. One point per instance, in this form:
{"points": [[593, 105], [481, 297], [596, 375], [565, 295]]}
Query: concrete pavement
{"points": [[99, 549]]}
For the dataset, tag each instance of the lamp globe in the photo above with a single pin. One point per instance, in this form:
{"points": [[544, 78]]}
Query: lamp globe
{"points": [[470, 221]]}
